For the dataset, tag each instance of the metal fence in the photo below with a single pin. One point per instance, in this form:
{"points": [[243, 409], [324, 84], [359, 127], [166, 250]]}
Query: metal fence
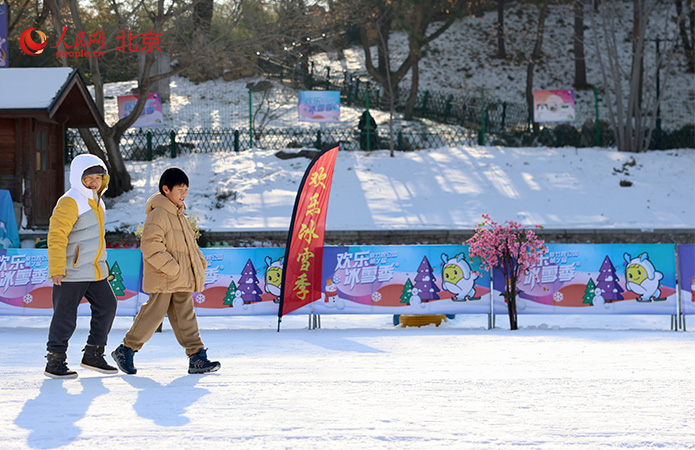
{"points": [[139, 145]]}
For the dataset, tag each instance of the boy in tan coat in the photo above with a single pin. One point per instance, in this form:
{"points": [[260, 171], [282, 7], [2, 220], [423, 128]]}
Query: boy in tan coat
{"points": [[174, 268]]}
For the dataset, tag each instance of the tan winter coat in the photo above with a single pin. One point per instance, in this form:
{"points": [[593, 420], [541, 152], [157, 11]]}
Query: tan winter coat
{"points": [[172, 261]]}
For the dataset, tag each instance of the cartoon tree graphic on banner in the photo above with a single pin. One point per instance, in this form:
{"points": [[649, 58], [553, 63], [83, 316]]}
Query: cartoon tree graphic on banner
{"points": [[424, 281], [116, 280], [407, 292], [589, 292], [608, 282], [248, 284], [229, 296]]}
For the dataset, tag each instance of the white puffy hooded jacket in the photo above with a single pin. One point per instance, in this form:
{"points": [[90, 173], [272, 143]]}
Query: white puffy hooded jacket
{"points": [[76, 244]]}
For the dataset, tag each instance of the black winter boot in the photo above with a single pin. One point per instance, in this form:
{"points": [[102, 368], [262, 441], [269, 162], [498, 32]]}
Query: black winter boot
{"points": [[56, 367], [199, 363], [94, 359], [124, 359]]}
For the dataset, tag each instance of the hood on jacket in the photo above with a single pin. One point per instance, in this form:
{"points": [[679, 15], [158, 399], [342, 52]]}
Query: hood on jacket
{"points": [[77, 168], [161, 201]]}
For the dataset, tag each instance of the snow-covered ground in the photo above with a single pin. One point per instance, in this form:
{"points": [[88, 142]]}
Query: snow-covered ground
{"points": [[360, 383]]}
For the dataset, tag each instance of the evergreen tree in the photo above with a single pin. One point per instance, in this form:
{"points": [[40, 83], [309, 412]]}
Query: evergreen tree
{"points": [[608, 282], [248, 284], [407, 292], [116, 280], [230, 295], [589, 293], [425, 281]]}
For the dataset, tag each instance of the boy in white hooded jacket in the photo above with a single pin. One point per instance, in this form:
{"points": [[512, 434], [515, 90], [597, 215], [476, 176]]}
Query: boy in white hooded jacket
{"points": [[77, 266]]}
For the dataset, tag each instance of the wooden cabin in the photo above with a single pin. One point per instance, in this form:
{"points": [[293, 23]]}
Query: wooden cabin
{"points": [[37, 105]]}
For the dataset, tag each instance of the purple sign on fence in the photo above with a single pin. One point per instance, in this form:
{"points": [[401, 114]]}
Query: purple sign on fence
{"points": [[686, 262]]}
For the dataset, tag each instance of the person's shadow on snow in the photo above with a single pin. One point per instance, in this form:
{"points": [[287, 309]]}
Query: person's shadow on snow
{"points": [[166, 404], [52, 416]]}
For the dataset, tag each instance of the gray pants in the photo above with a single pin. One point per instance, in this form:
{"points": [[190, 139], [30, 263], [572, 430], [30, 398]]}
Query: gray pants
{"points": [[66, 299]]}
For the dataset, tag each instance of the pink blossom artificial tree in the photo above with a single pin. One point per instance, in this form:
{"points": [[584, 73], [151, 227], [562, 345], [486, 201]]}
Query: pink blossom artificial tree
{"points": [[511, 248]]}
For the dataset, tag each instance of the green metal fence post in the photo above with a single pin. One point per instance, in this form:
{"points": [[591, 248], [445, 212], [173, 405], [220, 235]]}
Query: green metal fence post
{"points": [[368, 124], [504, 115], [657, 129], [400, 140], [250, 122], [318, 139], [236, 140], [424, 103], [173, 143], [598, 126], [149, 146], [447, 109], [482, 117]]}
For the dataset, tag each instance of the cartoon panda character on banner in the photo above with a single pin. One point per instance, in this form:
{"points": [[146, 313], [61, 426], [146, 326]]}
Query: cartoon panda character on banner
{"points": [[458, 278], [273, 277], [642, 278]]}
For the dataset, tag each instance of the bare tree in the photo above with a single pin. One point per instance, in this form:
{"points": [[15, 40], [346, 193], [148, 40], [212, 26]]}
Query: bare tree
{"points": [[414, 17], [501, 50], [578, 39], [631, 109], [391, 96], [686, 31], [535, 57], [269, 105]]}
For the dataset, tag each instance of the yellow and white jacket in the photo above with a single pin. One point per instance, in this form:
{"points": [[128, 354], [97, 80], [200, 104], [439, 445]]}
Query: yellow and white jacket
{"points": [[76, 243]]}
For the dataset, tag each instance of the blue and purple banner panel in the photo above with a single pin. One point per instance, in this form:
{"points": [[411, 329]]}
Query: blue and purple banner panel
{"points": [[4, 37], [25, 288], [416, 279], [597, 279], [686, 262], [240, 281], [319, 106]]}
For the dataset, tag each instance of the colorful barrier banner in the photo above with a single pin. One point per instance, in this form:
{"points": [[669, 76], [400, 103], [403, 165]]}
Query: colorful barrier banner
{"points": [[597, 279], [553, 106], [319, 106], [25, 288], [417, 279], [151, 115], [686, 262], [424, 279]]}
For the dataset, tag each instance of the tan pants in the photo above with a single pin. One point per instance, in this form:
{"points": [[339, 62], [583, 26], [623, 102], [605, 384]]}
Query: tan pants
{"points": [[179, 307]]}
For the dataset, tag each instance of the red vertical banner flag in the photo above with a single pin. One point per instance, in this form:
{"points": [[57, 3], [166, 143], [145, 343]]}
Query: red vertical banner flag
{"points": [[303, 262]]}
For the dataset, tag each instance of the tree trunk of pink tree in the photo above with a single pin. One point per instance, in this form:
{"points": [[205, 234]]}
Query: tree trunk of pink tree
{"points": [[510, 295]]}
